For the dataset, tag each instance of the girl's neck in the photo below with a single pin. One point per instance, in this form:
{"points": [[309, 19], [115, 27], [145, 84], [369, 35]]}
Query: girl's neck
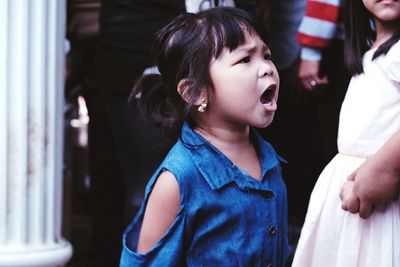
{"points": [[225, 138], [235, 144], [384, 30]]}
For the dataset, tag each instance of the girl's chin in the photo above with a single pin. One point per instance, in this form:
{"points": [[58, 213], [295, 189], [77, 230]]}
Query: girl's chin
{"points": [[265, 123]]}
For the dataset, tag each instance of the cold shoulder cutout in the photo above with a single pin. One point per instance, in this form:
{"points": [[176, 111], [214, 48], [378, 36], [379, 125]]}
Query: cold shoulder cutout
{"points": [[161, 210]]}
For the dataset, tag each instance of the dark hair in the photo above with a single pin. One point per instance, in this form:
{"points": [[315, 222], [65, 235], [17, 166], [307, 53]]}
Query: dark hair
{"points": [[359, 35], [183, 50]]}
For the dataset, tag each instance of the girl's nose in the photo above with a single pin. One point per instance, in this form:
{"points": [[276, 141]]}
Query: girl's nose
{"points": [[266, 69]]}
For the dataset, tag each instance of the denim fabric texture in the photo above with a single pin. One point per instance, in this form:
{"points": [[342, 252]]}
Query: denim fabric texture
{"points": [[226, 217]]}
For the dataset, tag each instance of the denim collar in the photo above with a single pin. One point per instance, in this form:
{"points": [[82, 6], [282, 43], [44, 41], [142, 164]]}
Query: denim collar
{"points": [[218, 170]]}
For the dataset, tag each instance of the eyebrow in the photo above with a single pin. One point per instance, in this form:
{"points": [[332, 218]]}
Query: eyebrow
{"points": [[251, 48]]}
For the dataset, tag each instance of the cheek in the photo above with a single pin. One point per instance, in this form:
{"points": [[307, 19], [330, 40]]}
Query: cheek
{"points": [[367, 5], [278, 80], [227, 84]]}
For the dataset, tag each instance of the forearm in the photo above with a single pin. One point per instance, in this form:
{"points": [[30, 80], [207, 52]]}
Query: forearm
{"points": [[389, 154], [376, 182]]}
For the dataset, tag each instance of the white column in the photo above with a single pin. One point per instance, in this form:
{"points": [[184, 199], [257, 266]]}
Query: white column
{"points": [[31, 132]]}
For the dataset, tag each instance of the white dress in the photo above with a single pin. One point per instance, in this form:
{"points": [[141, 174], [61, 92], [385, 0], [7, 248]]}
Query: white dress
{"points": [[369, 116]]}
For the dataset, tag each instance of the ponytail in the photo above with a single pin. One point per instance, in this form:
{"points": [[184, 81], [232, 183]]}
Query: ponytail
{"points": [[157, 104]]}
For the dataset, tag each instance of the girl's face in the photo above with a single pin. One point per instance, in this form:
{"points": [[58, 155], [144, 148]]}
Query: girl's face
{"points": [[384, 10], [246, 85]]}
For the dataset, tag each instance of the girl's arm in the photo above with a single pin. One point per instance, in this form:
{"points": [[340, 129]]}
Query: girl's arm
{"points": [[161, 211], [376, 182]]}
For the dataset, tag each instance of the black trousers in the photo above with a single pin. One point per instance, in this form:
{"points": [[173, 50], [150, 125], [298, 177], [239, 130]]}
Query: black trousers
{"points": [[124, 151]]}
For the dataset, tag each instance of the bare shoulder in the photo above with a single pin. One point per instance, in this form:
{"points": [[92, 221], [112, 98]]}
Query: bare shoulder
{"points": [[165, 189], [161, 211]]}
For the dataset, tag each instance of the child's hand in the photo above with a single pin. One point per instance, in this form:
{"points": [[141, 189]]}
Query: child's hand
{"points": [[349, 201], [308, 74], [375, 184]]}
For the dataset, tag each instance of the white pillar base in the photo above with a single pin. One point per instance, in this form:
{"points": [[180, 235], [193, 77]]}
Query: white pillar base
{"points": [[41, 256]]}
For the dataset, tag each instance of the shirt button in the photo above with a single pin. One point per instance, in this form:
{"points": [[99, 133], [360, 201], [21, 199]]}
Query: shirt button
{"points": [[268, 194], [271, 231]]}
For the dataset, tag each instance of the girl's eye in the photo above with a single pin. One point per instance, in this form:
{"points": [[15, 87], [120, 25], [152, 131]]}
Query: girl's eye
{"points": [[245, 60], [267, 56]]}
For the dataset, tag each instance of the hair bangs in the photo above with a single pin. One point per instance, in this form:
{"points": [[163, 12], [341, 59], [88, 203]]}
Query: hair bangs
{"points": [[226, 32], [229, 35]]}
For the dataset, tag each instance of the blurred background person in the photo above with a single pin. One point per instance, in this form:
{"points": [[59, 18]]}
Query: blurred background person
{"points": [[321, 67], [123, 149]]}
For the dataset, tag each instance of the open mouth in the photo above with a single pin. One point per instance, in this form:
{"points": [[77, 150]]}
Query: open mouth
{"points": [[268, 94]]}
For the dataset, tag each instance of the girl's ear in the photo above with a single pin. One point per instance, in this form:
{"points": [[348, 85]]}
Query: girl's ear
{"points": [[184, 87]]}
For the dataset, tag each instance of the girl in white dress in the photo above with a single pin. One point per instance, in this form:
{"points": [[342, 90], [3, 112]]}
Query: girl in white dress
{"points": [[369, 152]]}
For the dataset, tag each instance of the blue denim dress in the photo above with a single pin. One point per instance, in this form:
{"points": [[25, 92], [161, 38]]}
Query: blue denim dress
{"points": [[226, 217]]}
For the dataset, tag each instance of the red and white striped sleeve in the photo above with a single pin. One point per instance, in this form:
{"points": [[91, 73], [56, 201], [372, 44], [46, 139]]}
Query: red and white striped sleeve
{"points": [[318, 25]]}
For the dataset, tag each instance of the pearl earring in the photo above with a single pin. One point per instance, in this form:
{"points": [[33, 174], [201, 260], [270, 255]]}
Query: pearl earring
{"points": [[202, 108]]}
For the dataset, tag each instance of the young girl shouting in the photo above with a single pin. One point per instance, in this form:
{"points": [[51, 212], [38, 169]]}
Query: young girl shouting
{"points": [[218, 198]]}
